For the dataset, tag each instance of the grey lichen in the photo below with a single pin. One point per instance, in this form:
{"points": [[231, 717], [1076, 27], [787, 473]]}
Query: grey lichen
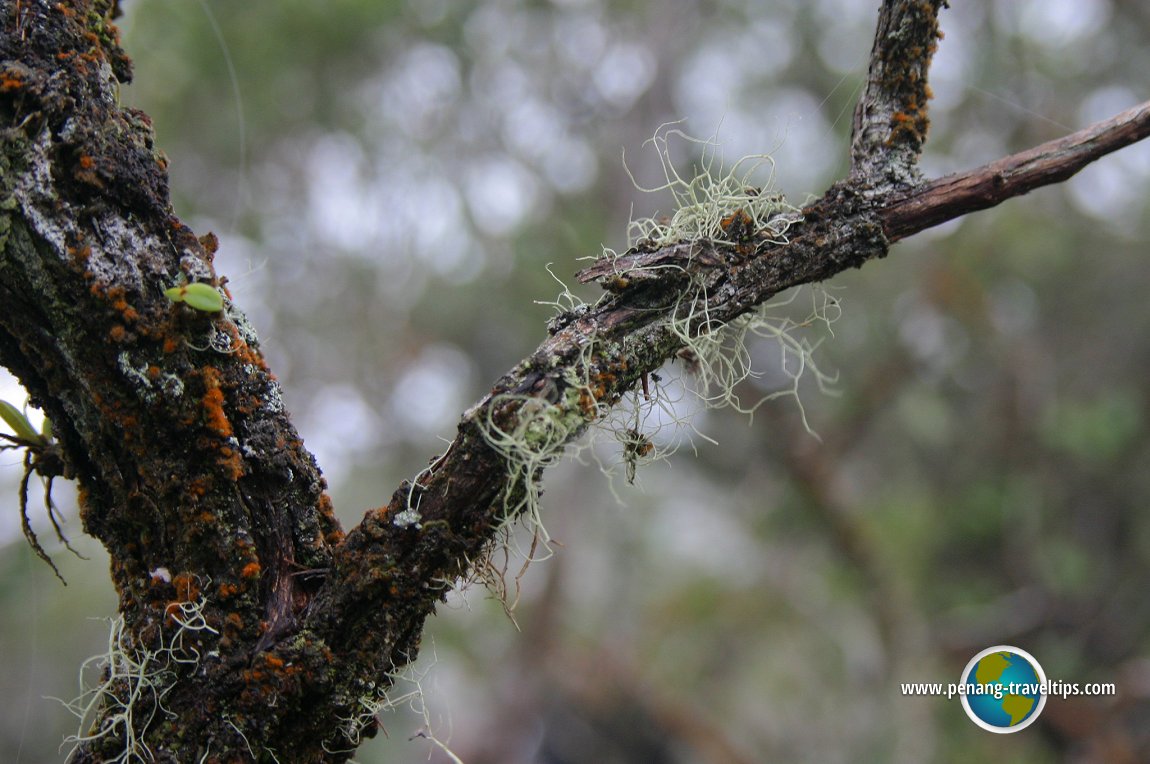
{"points": [[147, 385]]}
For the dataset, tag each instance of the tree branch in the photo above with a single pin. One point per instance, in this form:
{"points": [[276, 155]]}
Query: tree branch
{"points": [[610, 346], [953, 196], [890, 121], [191, 472]]}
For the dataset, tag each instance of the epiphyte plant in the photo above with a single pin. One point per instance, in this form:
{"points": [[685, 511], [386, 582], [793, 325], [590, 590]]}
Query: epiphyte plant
{"points": [[22, 428], [41, 456], [197, 295]]}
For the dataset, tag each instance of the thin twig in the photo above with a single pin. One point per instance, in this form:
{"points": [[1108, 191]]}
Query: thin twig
{"points": [[1053, 162]]}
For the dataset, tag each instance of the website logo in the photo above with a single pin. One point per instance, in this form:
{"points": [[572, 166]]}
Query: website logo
{"points": [[1005, 689]]}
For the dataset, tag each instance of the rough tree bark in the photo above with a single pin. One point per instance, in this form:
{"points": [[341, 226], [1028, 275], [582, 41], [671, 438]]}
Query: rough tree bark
{"points": [[261, 622]]}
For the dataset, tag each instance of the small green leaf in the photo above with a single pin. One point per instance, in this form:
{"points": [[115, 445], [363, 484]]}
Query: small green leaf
{"points": [[200, 296], [19, 423]]}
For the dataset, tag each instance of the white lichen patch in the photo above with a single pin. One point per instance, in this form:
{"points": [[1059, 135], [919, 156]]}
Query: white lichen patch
{"points": [[35, 192], [243, 326], [170, 385], [38, 197]]}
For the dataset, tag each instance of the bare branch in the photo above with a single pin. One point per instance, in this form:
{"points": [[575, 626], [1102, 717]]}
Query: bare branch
{"points": [[1053, 162]]}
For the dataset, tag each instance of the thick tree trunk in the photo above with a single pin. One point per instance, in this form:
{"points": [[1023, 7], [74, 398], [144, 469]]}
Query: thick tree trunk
{"points": [[253, 627]]}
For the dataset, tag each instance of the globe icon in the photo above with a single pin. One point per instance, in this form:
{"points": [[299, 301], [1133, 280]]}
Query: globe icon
{"points": [[1004, 689]]}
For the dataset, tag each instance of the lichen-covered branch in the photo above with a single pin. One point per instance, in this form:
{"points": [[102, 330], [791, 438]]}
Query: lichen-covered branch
{"points": [[189, 470], [266, 630], [891, 121]]}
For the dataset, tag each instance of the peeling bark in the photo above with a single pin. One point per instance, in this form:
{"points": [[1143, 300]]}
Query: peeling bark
{"points": [[190, 471]]}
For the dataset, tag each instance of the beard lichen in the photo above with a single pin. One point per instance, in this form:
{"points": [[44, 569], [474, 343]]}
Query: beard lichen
{"points": [[401, 689], [531, 433], [133, 682], [730, 209], [720, 357], [717, 203]]}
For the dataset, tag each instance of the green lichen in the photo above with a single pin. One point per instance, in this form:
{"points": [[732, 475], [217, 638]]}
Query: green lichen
{"points": [[400, 689], [531, 434]]}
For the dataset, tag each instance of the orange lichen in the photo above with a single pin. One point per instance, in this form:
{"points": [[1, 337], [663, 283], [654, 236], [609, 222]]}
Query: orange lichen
{"points": [[251, 570], [739, 226], [213, 404], [226, 591], [171, 344], [913, 124], [129, 313], [86, 172], [247, 354], [602, 384], [117, 333], [198, 487], [234, 621], [586, 402], [187, 590], [210, 242], [248, 404], [173, 610], [232, 461]]}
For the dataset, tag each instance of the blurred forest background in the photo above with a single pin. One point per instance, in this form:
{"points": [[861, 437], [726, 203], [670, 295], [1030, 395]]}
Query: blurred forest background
{"points": [[389, 181]]}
